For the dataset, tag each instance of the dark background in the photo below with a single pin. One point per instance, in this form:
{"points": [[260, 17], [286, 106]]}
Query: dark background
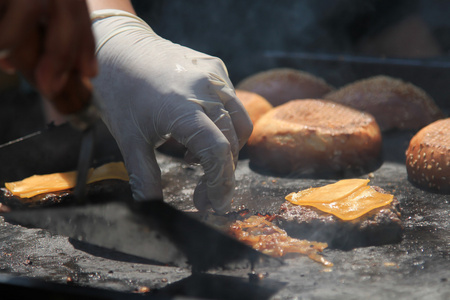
{"points": [[242, 32], [250, 35]]}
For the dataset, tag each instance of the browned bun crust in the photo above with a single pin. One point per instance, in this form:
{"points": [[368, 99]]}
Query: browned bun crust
{"points": [[315, 137], [394, 103], [283, 84], [255, 105], [428, 157]]}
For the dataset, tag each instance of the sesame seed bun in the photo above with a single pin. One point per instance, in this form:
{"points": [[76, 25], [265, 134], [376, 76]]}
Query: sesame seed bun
{"points": [[428, 157]]}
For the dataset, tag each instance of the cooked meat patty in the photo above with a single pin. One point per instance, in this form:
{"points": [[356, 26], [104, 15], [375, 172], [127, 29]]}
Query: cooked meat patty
{"points": [[380, 226], [104, 190]]}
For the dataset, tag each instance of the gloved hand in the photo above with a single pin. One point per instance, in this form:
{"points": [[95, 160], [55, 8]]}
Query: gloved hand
{"points": [[151, 89]]}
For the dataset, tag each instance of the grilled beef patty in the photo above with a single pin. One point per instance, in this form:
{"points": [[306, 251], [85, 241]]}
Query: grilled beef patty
{"points": [[104, 190], [380, 226]]}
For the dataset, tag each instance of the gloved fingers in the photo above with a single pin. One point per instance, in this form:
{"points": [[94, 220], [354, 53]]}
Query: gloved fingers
{"points": [[142, 166], [242, 123], [220, 95], [202, 195], [215, 191], [212, 148], [212, 63], [201, 201], [240, 119], [221, 119]]}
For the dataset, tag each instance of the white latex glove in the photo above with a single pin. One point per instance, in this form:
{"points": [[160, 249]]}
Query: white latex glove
{"points": [[150, 89]]}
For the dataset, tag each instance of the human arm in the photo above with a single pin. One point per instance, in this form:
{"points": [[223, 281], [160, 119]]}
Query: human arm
{"points": [[66, 40], [124, 5]]}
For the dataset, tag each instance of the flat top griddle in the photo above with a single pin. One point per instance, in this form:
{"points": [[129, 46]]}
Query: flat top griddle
{"points": [[416, 268]]}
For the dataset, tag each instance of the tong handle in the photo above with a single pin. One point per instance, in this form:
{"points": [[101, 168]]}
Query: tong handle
{"points": [[74, 97]]}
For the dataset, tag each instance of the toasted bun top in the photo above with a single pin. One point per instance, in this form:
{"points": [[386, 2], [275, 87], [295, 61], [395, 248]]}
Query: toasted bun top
{"points": [[428, 157], [315, 114], [435, 135], [410, 107], [283, 84]]}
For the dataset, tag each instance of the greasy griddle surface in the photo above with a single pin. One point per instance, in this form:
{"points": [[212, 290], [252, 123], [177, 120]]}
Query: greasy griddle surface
{"points": [[416, 268]]}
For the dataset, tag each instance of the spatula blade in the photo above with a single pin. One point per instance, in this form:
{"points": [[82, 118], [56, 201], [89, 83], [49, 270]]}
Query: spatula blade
{"points": [[152, 230]]}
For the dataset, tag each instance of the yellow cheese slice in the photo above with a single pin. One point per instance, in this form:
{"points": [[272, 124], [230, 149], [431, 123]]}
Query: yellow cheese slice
{"points": [[328, 193], [354, 205], [113, 170], [40, 184]]}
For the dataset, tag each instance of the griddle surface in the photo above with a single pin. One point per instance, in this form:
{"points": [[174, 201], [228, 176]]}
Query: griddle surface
{"points": [[416, 268]]}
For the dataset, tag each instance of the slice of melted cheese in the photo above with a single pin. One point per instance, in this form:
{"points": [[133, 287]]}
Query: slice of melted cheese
{"points": [[41, 184], [346, 199]]}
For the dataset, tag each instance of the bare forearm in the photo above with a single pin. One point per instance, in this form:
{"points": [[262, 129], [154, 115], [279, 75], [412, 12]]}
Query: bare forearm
{"points": [[110, 4]]}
